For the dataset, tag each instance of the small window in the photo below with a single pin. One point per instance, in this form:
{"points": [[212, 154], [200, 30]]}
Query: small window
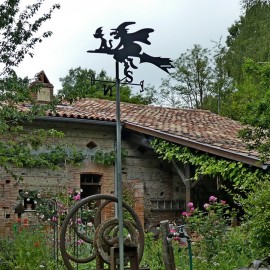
{"points": [[90, 184], [90, 178], [91, 145]]}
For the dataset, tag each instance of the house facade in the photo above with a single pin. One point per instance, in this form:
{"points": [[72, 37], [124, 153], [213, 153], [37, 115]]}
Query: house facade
{"points": [[159, 189]]}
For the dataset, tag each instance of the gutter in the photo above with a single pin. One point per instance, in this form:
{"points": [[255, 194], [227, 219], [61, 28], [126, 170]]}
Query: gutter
{"points": [[75, 120], [199, 146]]}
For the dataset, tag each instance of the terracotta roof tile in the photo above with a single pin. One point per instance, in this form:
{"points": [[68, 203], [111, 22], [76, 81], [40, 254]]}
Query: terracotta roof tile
{"points": [[199, 126]]}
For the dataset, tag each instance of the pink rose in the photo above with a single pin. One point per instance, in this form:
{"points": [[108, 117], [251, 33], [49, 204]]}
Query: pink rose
{"points": [[212, 199], [192, 209], [77, 197], [223, 202], [206, 205], [184, 214], [190, 205]]}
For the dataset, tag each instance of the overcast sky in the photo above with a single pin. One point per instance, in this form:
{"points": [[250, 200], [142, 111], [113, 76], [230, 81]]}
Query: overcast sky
{"points": [[178, 24]]}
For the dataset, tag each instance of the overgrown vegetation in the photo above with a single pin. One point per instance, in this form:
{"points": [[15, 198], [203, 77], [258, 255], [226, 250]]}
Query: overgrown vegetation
{"points": [[215, 242], [19, 34], [250, 189], [30, 249], [243, 178]]}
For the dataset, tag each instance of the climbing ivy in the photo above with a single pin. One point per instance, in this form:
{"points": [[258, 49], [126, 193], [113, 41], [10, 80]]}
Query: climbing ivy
{"points": [[50, 156], [107, 157], [243, 178]]}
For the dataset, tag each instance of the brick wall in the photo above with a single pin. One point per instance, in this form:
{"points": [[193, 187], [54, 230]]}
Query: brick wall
{"points": [[149, 176]]}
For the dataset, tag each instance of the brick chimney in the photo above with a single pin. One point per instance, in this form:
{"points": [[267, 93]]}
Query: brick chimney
{"points": [[45, 93]]}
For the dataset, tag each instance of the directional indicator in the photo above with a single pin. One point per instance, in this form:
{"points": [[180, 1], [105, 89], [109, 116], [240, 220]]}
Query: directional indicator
{"points": [[108, 88]]}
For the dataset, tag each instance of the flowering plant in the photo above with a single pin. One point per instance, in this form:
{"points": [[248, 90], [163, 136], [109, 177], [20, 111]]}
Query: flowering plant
{"points": [[209, 224], [29, 194], [54, 210]]}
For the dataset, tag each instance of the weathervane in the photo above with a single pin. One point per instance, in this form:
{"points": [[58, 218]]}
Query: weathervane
{"points": [[124, 52], [128, 48]]}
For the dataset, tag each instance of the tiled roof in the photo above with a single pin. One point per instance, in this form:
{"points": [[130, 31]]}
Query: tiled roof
{"points": [[195, 128]]}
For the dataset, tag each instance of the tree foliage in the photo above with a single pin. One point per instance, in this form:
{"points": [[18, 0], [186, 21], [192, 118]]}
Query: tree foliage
{"points": [[19, 31], [222, 85], [190, 83], [200, 80], [257, 116], [19, 144], [78, 84], [243, 178], [249, 37], [247, 4], [248, 40], [257, 216]]}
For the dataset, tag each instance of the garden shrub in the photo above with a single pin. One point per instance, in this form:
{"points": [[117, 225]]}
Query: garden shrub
{"points": [[29, 248], [257, 217]]}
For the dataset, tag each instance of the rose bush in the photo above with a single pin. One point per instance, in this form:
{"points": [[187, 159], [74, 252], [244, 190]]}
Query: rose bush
{"points": [[210, 224]]}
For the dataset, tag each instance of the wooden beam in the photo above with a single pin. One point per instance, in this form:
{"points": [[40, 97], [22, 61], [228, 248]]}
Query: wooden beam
{"points": [[180, 172], [188, 185], [185, 177]]}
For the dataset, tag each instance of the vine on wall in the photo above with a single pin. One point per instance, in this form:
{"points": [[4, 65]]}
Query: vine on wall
{"points": [[107, 157], [244, 178], [55, 156]]}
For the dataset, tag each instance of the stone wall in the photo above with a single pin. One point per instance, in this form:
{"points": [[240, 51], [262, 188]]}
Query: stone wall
{"points": [[158, 192]]}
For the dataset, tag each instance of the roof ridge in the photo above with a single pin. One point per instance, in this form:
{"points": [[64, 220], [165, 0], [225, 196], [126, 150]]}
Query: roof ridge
{"points": [[146, 105]]}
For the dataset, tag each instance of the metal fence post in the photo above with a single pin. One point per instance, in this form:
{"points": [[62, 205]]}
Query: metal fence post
{"points": [[167, 249]]}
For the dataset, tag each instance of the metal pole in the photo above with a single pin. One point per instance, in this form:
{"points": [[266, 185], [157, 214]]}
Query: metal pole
{"points": [[119, 170]]}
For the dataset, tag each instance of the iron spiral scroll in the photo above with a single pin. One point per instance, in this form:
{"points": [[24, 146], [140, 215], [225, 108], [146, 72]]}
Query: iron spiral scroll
{"points": [[86, 223]]}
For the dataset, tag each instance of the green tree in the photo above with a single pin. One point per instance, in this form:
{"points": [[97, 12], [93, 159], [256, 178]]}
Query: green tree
{"points": [[222, 86], [193, 77], [19, 145], [19, 31], [249, 37], [197, 82], [78, 84], [257, 112]]}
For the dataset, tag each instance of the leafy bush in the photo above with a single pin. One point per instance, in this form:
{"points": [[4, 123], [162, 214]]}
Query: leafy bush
{"points": [[257, 217], [27, 249], [209, 225]]}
